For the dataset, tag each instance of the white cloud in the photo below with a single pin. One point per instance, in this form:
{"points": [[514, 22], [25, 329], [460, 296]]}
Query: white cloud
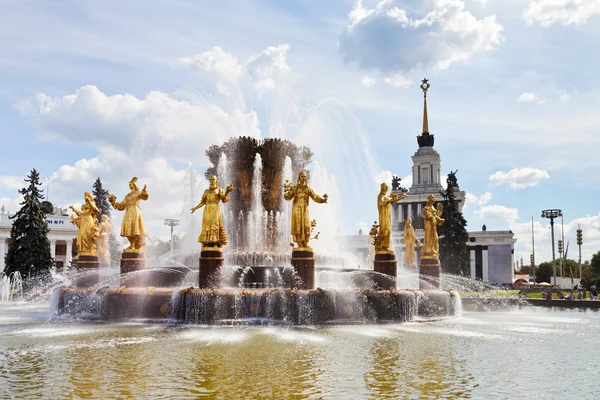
{"points": [[12, 205], [159, 122], [564, 97], [567, 12], [530, 97], [368, 81], [497, 212], [12, 182], [406, 182], [398, 80], [383, 177], [470, 198], [221, 64], [386, 40], [263, 69], [518, 178]]}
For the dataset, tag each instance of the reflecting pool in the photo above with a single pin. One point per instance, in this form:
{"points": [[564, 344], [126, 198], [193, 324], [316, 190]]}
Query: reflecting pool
{"points": [[524, 353]]}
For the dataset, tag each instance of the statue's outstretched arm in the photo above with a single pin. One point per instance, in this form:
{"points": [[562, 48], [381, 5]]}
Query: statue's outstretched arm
{"points": [[144, 194], [316, 198]]}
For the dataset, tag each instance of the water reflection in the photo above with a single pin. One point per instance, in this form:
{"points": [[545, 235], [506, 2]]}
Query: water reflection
{"points": [[467, 357], [262, 366]]}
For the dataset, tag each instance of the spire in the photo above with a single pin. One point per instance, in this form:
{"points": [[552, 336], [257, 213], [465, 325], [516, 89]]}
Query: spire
{"points": [[425, 139], [425, 86]]}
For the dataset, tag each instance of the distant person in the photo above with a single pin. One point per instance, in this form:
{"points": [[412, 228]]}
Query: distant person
{"points": [[579, 295]]}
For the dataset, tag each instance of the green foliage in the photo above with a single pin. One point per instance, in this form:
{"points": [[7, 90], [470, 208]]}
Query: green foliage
{"points": [[525, 269], [454, 252], [101, 198], [544, 272], [592, 275], [29, 251], [595, 263]]}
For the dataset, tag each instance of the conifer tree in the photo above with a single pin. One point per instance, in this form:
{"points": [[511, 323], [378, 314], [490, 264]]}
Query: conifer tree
{"points": [[454, 252], [29, 251], [101, 198]]}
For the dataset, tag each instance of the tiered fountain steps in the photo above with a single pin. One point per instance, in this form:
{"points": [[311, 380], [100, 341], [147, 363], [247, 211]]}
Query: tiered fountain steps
{"points": [[265, 306]]}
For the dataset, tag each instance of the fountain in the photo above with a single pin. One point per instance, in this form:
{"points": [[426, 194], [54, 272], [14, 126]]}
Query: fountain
{"points": [[246, 271]]}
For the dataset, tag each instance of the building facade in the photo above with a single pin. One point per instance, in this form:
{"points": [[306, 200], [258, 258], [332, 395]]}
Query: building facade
{"points": [[61, 235]]}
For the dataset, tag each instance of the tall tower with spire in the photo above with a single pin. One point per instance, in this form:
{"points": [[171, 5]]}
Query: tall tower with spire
{"points": [[426, 176], [426, 161]]}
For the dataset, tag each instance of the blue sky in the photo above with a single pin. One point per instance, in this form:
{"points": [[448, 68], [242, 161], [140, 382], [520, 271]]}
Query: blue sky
{"points": [[116, 89]]}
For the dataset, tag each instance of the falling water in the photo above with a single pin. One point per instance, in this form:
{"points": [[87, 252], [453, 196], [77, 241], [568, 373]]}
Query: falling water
{"points": [[258, 242], [285, 217], [223, 180]]}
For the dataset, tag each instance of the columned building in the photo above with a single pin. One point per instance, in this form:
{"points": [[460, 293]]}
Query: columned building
{"points": [[491, 252], [61, 235]]}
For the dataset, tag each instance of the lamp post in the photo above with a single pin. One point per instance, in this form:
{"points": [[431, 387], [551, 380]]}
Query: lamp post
{"points": [[551, 214], [172, 222], [579, 243]]}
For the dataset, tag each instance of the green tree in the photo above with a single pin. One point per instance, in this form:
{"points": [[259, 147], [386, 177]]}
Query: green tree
{"points": [[544, 272], [101, 198], [454, 252], [592, 276], [525, 269], [29, 251]]}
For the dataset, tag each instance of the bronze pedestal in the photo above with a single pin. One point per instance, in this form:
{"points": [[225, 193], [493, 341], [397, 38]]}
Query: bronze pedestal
{"points": [[87, 266], [385, 263], [429, 273], [211, 260], [303, 261], [131, 262]]}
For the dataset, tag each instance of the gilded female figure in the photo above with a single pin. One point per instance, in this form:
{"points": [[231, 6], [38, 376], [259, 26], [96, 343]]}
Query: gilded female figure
{"points": [[132, 226], [86, 220], [431, 217], [382, 240], [213, 233], [410, 240], [300, 193]]}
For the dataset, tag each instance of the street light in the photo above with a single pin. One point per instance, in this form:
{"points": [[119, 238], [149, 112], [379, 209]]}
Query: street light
{"points": [[172, 222], [551, 214], [579, 243]]}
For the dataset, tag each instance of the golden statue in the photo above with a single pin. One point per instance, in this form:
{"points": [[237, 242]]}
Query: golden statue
{"points": [[382, 232], [213, 234], [132, 226], [105, 228], [431, 217], [86, 220], [302, 226], [409, 240]]}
